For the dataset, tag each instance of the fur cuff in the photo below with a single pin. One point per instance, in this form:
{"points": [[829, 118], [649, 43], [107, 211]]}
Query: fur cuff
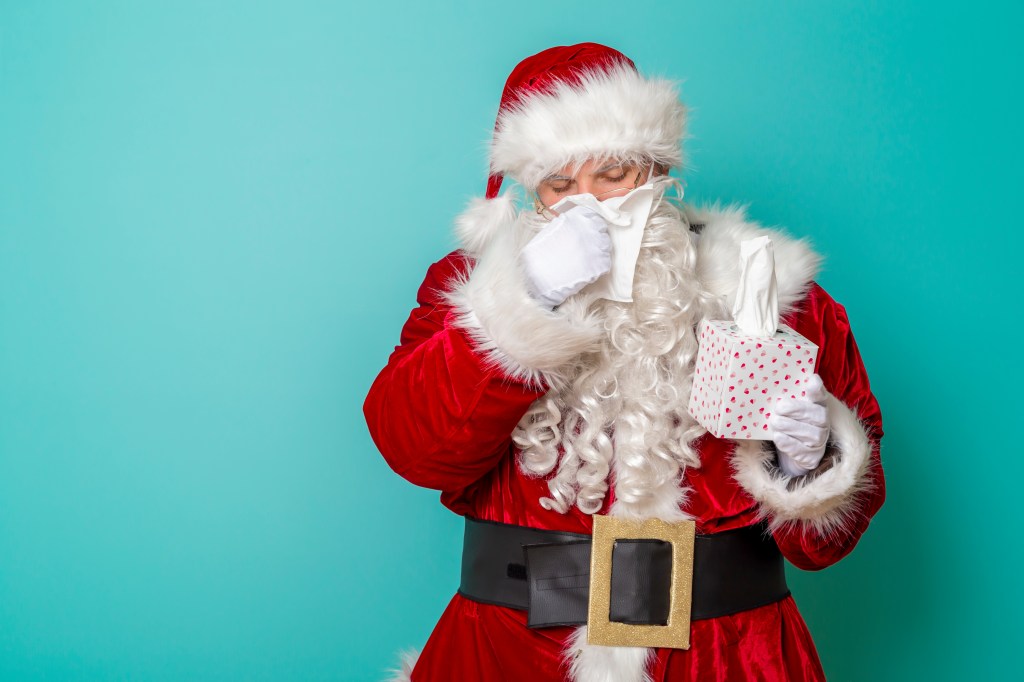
{"points": [[826, 499], [517, 334]]}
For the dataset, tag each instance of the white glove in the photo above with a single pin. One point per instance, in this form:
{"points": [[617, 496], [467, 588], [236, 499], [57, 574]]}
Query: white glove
{"points": [[571, 251], [800, 429]]}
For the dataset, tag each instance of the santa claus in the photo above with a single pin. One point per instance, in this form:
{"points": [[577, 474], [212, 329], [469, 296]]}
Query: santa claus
{"points": [[542, 383]]}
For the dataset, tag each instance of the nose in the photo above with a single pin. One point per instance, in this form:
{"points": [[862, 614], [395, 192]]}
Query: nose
{"points": [[585, 186]]}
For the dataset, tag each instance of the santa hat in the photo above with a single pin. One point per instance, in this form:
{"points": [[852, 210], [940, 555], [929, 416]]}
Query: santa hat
{"points": [[568, 104]]}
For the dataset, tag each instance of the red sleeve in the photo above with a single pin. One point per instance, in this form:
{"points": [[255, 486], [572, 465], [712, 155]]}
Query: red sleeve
{"points": [[823, 321], [440, 415]]}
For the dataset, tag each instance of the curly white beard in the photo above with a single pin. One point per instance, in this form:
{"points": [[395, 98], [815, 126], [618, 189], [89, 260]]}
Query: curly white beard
{"points": [[622, 409]]}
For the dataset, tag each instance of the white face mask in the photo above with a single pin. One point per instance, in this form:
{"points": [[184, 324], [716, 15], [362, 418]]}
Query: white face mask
{"points": [[626, 215]]}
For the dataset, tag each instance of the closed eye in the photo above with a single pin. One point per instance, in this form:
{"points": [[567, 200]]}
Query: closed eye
{"points": [[615, 176], [560, 186]]}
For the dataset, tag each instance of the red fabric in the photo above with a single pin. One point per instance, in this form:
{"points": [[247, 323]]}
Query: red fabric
{"points": [[481, 642], [442, 419], [542, 71]]}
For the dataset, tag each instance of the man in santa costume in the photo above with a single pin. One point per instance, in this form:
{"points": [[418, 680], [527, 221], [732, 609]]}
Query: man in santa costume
{"points": [[537, 395]]}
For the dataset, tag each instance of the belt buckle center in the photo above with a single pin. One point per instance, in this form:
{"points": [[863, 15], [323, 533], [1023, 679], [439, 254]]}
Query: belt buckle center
{"points": [[676, 633]]}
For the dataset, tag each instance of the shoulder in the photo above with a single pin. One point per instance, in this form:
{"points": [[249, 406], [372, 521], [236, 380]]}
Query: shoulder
{"points": [[722, 229], [444, 274], [815, 308], [820, 318]]}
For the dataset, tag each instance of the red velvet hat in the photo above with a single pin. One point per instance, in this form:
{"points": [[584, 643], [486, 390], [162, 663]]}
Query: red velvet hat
{"points": [[570, 103]]}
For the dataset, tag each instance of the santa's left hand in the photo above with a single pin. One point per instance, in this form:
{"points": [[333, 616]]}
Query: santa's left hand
{"points": [[800, 429]]}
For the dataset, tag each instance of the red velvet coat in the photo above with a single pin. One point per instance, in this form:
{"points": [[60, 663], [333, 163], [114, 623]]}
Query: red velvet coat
{"points": [[442, 417]]}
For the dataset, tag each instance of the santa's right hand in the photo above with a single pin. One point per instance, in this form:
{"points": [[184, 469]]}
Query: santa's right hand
{"points": [[572, 251]]}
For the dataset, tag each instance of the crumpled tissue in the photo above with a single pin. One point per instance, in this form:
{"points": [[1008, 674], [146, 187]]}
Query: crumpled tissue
{"points": [[626, 216]]}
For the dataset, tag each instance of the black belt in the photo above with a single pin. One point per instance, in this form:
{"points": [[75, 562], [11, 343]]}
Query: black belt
{"points": [[547, 573]]}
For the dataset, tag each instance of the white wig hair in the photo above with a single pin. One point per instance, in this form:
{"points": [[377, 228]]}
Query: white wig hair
{"points": [[622, 409]]}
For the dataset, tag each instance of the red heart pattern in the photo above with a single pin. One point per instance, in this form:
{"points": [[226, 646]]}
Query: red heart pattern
{"points": [[724, 353]]}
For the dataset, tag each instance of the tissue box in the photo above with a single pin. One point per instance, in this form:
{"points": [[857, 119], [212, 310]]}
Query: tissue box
{"points": [[738, 378]]}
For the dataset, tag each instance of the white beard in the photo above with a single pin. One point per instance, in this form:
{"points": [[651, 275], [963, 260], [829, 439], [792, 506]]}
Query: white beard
{"points": [[620, 413]]}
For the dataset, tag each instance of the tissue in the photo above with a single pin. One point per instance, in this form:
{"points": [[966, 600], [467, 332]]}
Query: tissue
{"points": [[626, 216], [756, 309]]}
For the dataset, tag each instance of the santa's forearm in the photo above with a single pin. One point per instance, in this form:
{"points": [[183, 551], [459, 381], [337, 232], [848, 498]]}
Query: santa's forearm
{"points": [[820, 516], [809, 550], [438, 412]]}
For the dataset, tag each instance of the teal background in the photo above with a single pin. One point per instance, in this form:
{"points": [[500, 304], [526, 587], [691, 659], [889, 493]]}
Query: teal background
{"points": [[213, 219]]}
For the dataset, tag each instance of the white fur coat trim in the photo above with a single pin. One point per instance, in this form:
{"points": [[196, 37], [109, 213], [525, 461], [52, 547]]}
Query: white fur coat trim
{"points": [[825, 502], [593, 663], [482, 220], [403, 673], [617, 113], [517, 334], [718, 247], [530, 343]]}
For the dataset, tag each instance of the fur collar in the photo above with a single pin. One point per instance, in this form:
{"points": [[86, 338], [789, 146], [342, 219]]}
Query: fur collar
{"points": [[718, 248], [718, 254]]}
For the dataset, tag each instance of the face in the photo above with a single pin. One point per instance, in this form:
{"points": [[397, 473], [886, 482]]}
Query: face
{"points": [[603, 179]]}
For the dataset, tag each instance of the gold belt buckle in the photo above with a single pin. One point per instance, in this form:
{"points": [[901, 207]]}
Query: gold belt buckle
{"points": [[676, 633]]}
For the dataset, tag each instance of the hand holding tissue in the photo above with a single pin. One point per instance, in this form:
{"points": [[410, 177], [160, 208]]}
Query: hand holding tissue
{"points": [[626, 217]]}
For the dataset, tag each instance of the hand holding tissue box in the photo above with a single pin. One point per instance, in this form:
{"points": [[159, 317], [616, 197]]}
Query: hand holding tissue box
{"points": [[744, 365]]}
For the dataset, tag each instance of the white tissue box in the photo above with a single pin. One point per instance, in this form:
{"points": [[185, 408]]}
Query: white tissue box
{"points": [[737, 377]]}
